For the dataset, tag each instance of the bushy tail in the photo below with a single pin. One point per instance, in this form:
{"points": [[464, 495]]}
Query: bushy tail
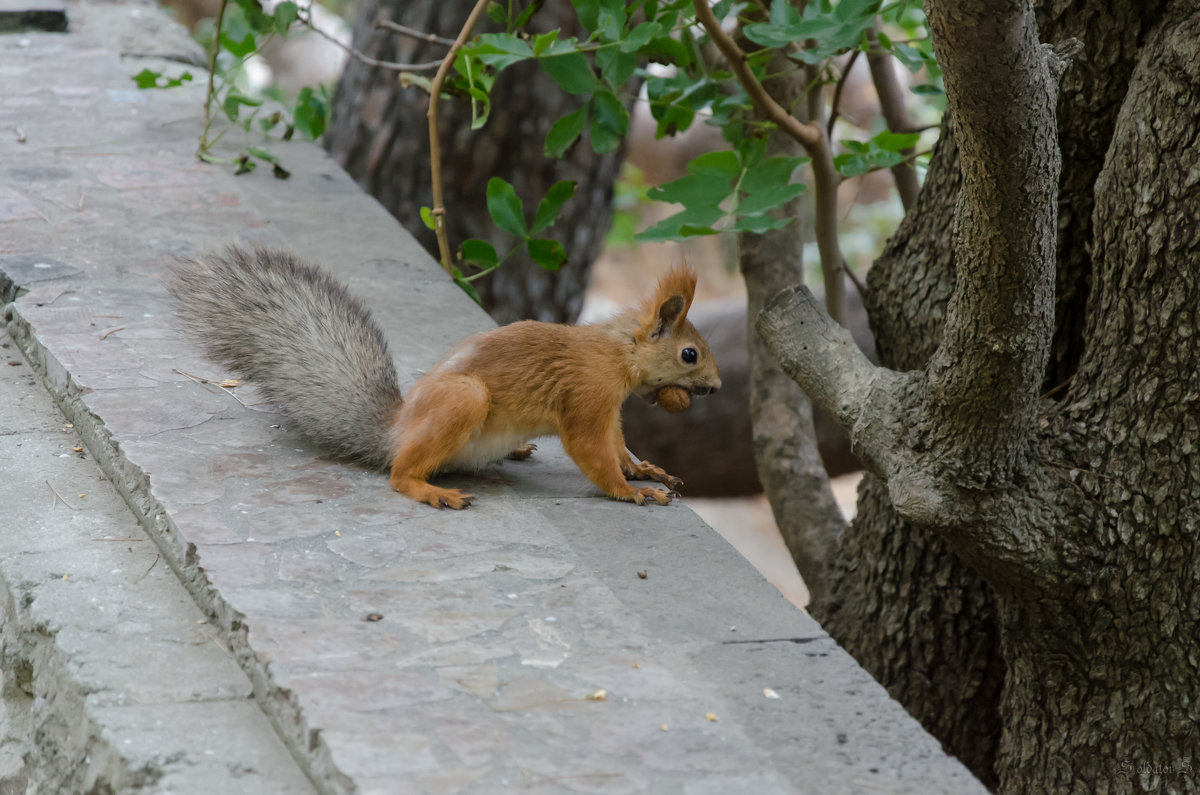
{"points": [[299, 335]]}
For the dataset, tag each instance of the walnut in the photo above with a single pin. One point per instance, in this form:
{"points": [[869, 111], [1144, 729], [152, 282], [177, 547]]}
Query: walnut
{"points": [[673, 398]]}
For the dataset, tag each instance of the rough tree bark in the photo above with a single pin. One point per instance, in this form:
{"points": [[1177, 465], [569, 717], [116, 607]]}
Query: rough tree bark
{"points": [[785, 439], [379, 136], [1023, 572]]}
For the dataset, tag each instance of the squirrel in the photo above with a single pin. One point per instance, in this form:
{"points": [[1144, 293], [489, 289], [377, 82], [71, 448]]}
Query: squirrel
{"points": [[314, 349]]}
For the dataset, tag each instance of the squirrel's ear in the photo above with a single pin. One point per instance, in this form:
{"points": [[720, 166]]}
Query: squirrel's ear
{"points": [[672, 300]]}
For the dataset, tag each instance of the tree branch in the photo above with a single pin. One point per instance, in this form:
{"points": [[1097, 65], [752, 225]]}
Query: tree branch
{"points": [[1001, 91], [435, 144], [306, 18], [836, 104], [954, 442], [807, 134], [825, 186], [811, 136], [383, 23], [895, 113]]}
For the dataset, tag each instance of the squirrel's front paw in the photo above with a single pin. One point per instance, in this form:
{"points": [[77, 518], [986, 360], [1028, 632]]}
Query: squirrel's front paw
{"points": [[429, 494], [640, 495], [647, 471]]}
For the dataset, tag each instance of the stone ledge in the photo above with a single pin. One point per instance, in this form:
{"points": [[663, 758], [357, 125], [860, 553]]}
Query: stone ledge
{"points": [[497, 622]]}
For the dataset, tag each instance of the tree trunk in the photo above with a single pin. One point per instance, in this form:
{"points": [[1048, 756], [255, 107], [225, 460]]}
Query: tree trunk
{"points": [[1042, 619], [785, 439], [379, 135]]}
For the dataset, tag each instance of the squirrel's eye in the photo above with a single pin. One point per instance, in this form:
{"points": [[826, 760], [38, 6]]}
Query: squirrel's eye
{"points": [[688, 355]]}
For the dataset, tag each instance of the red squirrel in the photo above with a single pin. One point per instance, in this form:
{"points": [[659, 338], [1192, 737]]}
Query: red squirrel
{"points": [[314, 349]]}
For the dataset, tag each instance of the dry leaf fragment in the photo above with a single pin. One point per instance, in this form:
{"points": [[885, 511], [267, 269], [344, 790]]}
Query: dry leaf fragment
{"points": [[230, 383], [769, 693], [373, 617], [710, 717], [599, 695], [665, 727], [642, 574]]}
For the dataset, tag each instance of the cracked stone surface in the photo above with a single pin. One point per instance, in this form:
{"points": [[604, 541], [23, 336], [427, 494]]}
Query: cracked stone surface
{"points": [[388, 646]]}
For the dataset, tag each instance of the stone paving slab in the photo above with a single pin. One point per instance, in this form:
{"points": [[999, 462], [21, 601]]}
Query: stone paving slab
{"points": [[496, 623], [113, 679]]}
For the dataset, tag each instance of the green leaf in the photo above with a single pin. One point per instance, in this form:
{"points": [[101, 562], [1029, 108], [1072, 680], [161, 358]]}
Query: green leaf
{"points": [[311, 113], [927, 90], [615, 65], [479, 252], [610, 122], [427, 218], [500, 50], [611, 19], [724, 161], [565, 132], [252, 12], [588, 12], [760, 223], [768, 185], [547, 253], [497, 14], [147, 79], [541, 42], [263, 154], [481, 109], [234, 100], [285, 14], [666, 50], [707, 185], [894, 142], [689, 223], [571, 71], [505, 207], [549, 206], [851, 165], [237, 35], [640, 36]]}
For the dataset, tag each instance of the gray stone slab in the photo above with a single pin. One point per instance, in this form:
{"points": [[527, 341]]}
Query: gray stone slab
{"points": [[112, 676], [394, 648]]}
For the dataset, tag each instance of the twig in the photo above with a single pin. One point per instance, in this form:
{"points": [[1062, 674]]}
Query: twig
{"points": [[857, 282], [110, 332], [214, 641], [382, 22], [435, 146], [58, 497], [835, 106], [895, 113], [825, 185], [147, 571], [368, 60], [212, 71], [207, 382], [807, 134]]}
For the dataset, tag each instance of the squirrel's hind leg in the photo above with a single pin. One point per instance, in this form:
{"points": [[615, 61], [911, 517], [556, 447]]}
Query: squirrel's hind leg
{"points": [[521, 453], [438, 420]]}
